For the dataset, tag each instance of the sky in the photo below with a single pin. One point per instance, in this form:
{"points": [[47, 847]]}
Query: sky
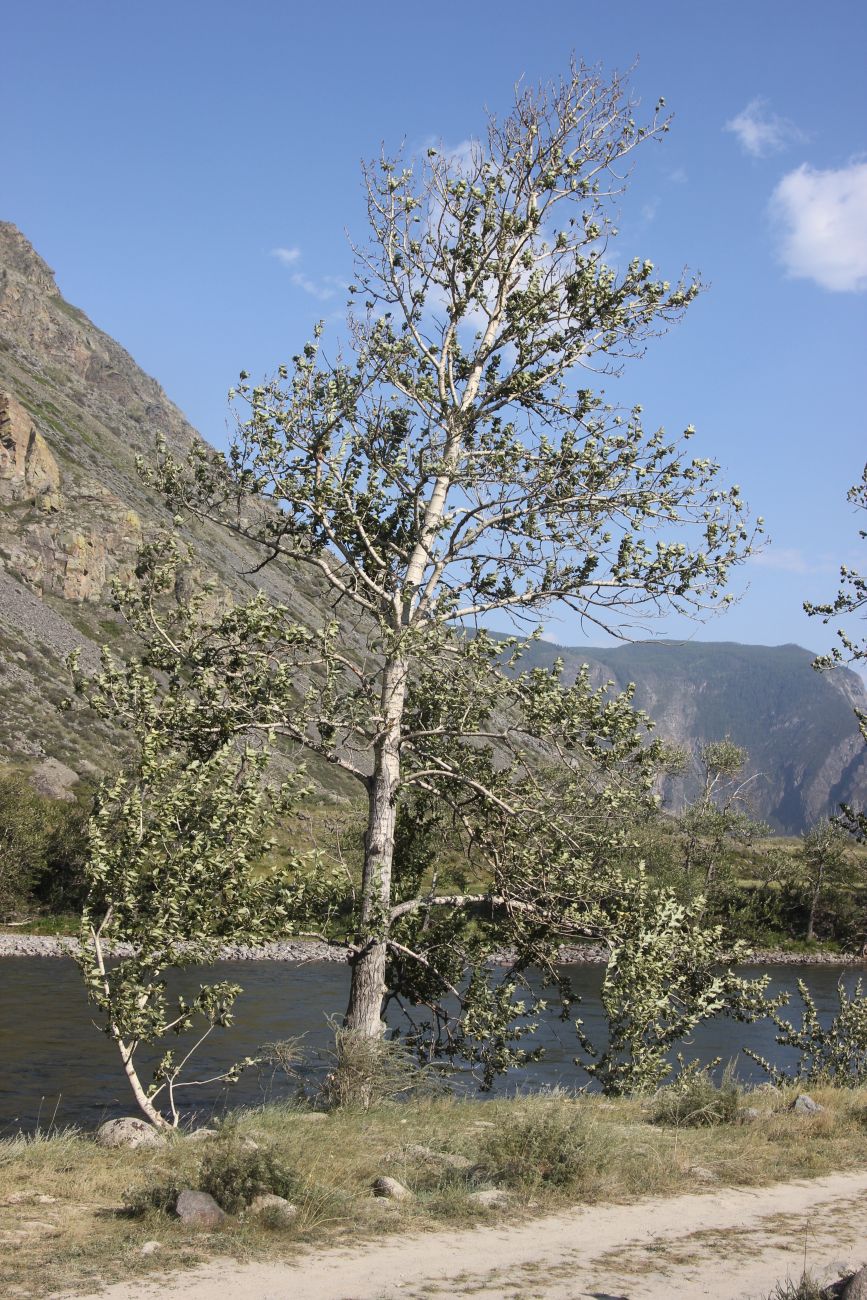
{"points": [[191, 171]]}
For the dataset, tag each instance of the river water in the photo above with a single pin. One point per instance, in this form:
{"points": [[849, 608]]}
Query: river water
{"points": [[57, 1067]]}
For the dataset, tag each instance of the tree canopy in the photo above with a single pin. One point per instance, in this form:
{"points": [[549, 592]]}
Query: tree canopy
{"points": [[458, 459]]}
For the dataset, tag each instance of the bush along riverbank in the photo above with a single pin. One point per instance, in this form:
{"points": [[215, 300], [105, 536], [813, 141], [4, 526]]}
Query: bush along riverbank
{"points": [[79, 1213]]}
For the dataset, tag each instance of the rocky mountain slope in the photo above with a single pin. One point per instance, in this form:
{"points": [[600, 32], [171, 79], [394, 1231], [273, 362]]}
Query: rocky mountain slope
{"points": [[75, 410]]}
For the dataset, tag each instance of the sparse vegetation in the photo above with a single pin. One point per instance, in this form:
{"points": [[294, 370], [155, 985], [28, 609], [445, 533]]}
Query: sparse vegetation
{"points": [[805, 1288], [542, 1150], [695, 1100]]}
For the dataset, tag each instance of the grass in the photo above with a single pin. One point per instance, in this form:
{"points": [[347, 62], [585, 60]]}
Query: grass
{"points": [[804, 1288], [50, 923], [66, 1218]]}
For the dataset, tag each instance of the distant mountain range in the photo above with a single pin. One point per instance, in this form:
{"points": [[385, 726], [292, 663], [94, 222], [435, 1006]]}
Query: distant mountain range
{"points": [[797, 725], [75, 410]]}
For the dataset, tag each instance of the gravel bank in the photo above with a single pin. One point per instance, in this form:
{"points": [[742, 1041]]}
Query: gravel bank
{"points": [[43, 945], [307, 950]]}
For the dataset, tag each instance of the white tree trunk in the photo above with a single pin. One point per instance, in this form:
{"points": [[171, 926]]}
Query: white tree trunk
{"points": [[364, 1012]]}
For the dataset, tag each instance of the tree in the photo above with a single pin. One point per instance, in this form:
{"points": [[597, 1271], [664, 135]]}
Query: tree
{"points": [[40, 848], [663, 979], [455, 463], [851, 600], [172, 848], [720, 816], [826, 866]]}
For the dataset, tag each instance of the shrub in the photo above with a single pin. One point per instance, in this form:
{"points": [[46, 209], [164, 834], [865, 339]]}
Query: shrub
{"points": [[695, 1101], [370, 1070], [549, 1143], [827, 1054], [159, 1196], [234, 1175]]}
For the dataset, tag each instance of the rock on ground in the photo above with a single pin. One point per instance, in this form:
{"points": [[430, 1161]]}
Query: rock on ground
{"points": [[804, 1105], [199, 1210], [447, 1159], [856, 1287], [391, 1188], [492, 1198], [273, 1207], [129, 1132]]}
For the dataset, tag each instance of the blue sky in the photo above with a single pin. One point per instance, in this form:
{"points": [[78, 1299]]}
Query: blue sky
{"points": [[157, 155]]}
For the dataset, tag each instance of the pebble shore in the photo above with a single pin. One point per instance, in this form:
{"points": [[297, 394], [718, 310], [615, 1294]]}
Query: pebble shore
{"points": [[309, 950], [298, 950]]}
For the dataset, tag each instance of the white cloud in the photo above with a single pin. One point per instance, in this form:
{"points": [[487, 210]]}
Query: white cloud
{"points": [[286, 256], [822, 217], [322, 289], [788, 559], [762, 132], [327, 286]]}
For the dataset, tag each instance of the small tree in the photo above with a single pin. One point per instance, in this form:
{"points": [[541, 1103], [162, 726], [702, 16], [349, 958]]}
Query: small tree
{"points": [[453, 464], [835, 1053], [173, 845], [826, 866], [663, 979], [720, 816]]}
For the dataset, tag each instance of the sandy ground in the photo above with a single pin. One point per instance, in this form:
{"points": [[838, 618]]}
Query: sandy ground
{"points": [[725, 1245]]}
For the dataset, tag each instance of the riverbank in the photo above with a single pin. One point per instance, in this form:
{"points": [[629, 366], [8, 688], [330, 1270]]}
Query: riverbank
{"points": [[79, 1216], [13, 944], [291, 950]]}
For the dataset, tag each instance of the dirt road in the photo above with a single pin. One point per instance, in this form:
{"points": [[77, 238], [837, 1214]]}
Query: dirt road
{"points": [[724, 1245]]}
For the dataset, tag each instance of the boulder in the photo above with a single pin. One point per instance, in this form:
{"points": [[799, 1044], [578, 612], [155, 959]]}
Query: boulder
{"points": [[447, 1159], [54, 779], [391, 1188], [130, 1132], [274, 1209], [855, 1287], [804, 1105], [490, 1198], [199, 1210], [201, 1134]]}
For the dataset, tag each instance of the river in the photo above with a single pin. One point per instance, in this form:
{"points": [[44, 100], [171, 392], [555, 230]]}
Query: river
{"points": [[56, 1067]]}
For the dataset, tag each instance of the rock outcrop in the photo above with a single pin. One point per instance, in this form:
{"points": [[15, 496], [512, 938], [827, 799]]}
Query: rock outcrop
{"points": [[28, 471]]}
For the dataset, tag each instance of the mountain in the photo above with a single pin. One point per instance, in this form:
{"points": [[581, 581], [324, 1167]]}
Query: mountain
{"points": [[75, 410], [805, 749]]}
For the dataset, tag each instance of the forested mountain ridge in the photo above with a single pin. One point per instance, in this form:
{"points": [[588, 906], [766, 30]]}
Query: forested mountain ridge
{"points": [[798, 725], [75, 410]]}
